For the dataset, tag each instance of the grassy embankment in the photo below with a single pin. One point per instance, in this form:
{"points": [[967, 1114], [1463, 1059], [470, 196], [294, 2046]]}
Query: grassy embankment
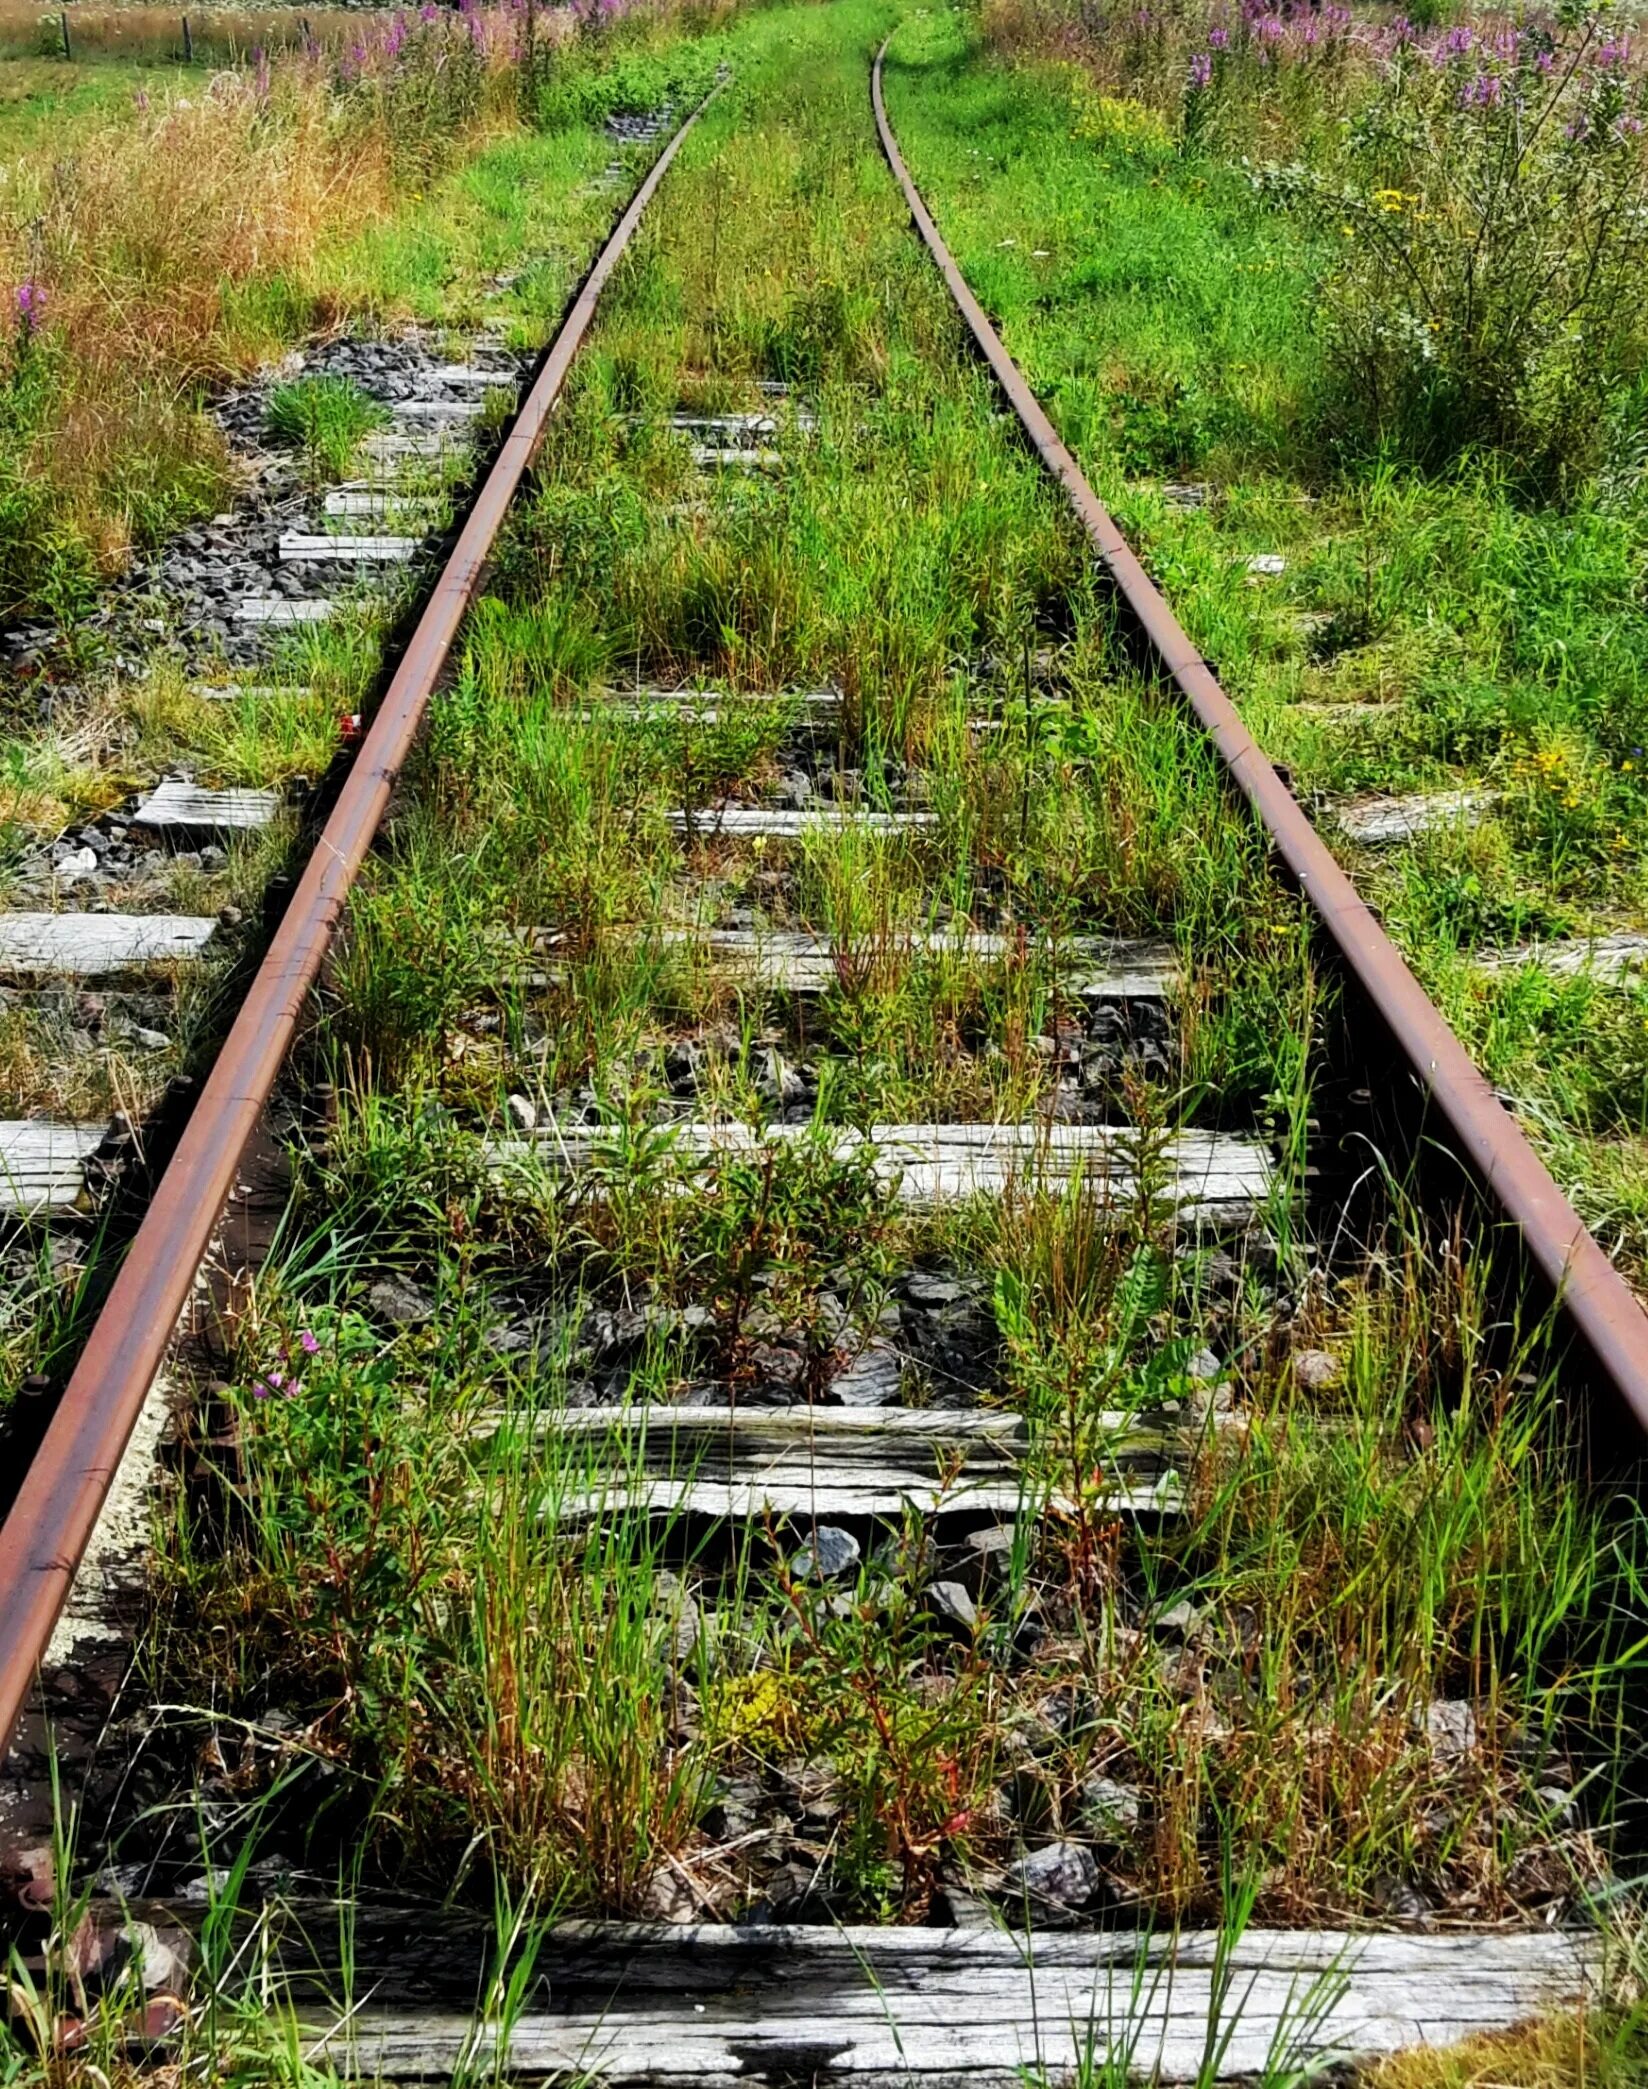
{"points": [[1463, 522], [170, 248]]}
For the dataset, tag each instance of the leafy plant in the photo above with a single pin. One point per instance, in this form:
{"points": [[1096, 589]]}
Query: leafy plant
{"points": [[326, 417], [1491, 219]]}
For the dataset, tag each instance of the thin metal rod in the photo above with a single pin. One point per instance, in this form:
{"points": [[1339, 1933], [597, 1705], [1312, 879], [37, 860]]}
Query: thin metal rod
{"points": [[59, 1502], [1592, 1293]]}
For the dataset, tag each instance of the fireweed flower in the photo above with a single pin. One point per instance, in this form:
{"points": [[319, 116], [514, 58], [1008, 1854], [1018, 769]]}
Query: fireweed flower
{"points": [[1201, 71], [308, 1344], [30, 301], [1218, 38]]}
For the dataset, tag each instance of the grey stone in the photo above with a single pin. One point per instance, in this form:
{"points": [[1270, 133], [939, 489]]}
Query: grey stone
{"points": [[164, 1953], [872, 1379], [779, 1082], [1109, 1811], [400, 1302], [1450, 1728], [962, 1910], [778, 1367], [1316, 1371], [951, 1602], [1400, 1900], [832, 1553], [924, 1290], [739, 1809], [1063, 1876], [666, 1897], [523, 1114]]}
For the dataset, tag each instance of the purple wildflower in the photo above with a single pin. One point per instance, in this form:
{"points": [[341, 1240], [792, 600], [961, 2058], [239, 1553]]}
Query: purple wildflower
{"points": [[1218, 38], [31, 308], [308, 1344]]}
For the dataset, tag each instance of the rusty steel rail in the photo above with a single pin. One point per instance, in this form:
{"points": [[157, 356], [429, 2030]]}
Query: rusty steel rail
{"points": [[1599, 1304], [58, 1504]]}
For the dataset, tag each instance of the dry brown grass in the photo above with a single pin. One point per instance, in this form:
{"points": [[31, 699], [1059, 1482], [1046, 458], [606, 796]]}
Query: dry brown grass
{"points": [[182, 243], [154, 35], [1580, 2049]]}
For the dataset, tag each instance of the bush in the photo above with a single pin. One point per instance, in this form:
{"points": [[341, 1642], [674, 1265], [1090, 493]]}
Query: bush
{"points": [[326, 418], [1490, 212]]}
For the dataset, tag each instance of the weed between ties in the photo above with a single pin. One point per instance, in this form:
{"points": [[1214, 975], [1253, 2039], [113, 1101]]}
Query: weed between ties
{"points": [[1284, 1583]]}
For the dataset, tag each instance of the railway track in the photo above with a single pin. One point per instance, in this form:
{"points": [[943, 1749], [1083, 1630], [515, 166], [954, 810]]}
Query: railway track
{"points": [[821, 1193]]}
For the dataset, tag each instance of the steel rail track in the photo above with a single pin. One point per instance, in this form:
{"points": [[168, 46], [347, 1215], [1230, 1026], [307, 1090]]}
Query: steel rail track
{"points": [[1596, 1300], [58, 1504], [778, 2002]]}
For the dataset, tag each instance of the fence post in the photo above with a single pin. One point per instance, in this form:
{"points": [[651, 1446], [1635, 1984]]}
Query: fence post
{"points": [[68, 48], [188, 43]]}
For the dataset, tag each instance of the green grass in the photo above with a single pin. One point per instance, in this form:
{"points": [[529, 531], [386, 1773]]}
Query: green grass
{"points": [[1167, 315], [526, 1695], [327, 419], [44, 101], [403, 1555]]}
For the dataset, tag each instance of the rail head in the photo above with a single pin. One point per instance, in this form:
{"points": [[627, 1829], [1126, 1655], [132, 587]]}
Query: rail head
{"points": [[58, 1504], [1594, 1296]]}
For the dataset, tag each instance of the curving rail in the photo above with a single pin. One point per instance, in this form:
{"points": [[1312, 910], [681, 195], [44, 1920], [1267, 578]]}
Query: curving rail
{"points": [[1598, 1303], [58, 1504]]}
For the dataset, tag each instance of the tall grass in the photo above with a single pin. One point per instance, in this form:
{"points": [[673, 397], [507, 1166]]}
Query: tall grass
{"points": [[172, 249], [1436, 624], [1385, 1638]]}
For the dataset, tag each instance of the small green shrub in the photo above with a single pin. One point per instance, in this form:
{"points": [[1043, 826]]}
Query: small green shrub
{"points": [[326, 418], [1491, 218], [581, 86]]}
